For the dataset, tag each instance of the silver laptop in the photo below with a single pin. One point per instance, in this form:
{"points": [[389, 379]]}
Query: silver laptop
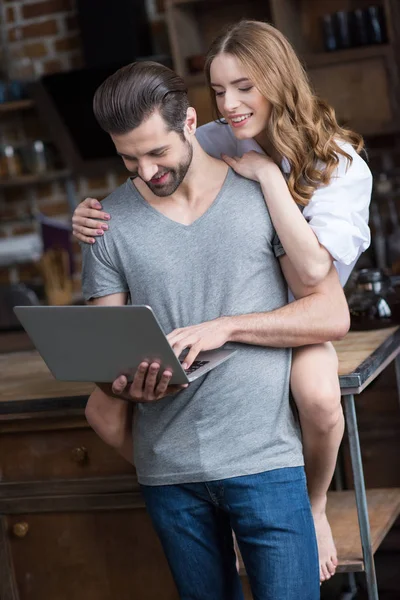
{"points": [[99, 343]]}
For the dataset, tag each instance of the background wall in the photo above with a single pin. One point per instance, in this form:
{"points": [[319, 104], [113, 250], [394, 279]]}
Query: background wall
{"points": [[38, 38]]}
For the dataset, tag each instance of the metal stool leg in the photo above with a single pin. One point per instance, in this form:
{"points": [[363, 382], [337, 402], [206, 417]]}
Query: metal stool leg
{"points": [[397, 367], [361, 498]]}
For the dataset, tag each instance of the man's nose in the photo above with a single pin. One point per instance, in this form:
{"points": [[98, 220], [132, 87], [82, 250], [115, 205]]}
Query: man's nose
{"points": [[147, 171]]}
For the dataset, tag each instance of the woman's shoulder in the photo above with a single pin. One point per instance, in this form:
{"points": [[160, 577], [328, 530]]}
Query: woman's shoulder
{"points": [[216, 138]]}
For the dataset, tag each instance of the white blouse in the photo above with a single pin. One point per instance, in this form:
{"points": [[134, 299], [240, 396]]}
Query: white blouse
{"points": [[337, 212]]}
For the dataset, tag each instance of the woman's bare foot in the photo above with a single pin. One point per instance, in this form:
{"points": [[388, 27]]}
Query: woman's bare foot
{"points": [[326, 546]]}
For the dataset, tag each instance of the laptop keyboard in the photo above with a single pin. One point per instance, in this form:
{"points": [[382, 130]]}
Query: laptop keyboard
{"points": [[196, 365]]}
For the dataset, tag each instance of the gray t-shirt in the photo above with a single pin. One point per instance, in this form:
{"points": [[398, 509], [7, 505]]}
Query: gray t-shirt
{"points": [[237, 419]]}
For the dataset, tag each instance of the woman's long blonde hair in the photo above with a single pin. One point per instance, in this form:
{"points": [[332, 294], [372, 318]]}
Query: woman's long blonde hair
{"points": [[302, 127]]}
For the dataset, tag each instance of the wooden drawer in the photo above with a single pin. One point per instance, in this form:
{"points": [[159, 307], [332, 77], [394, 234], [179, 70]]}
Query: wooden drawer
{"points": [[101, 555], [63, 453]]}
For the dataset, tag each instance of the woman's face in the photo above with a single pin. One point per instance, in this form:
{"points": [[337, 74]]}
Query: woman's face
{"points": [[238, 100]]}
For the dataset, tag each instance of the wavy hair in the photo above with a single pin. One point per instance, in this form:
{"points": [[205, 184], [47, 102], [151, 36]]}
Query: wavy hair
{"points": [[302, 127]]}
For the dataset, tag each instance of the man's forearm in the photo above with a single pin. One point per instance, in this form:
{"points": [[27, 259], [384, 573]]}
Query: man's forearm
{"points": [[305, 321]]}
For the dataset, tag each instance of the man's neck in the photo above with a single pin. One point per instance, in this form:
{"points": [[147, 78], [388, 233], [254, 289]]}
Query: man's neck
{"points": [[195, 195], [204, 174]]}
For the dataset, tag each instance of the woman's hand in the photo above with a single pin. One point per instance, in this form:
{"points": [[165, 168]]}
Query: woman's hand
{"points": [[84, 223], [251, 165]]}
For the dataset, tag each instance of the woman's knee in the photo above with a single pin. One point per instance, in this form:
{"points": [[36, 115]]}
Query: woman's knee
{"points": [[320, 406]]}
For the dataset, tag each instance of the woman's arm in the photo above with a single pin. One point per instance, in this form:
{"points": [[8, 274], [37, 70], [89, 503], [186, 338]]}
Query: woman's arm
{"points": [[309, 258]]}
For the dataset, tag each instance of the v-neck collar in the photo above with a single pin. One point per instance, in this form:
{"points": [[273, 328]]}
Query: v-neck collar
{"points": [[227, 181]]}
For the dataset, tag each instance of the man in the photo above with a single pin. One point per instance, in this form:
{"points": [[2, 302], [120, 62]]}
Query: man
{"points": [[195, 241]]}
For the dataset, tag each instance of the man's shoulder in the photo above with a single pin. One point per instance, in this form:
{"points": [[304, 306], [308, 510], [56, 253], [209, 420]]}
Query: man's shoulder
{"points": [[118, 198], [241, 184]]}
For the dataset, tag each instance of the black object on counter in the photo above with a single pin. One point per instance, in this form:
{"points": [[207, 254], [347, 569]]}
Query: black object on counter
{"points": [[374, 304]]}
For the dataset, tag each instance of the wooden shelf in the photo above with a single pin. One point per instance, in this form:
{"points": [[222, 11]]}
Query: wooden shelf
{"points": [[320, 59], [16, 105], [383, 509], [32, 179]]}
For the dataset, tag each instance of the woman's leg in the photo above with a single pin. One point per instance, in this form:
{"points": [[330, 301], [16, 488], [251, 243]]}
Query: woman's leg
{"points": [[111, 419], [315, 388]]}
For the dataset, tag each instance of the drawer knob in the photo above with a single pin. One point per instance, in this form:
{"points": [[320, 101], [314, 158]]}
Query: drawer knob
{"points": [[20, 529], [79, 455]]}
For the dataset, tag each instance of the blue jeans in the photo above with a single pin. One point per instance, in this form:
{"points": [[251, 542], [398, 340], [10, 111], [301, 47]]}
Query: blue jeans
{"points": [[271, 517]]}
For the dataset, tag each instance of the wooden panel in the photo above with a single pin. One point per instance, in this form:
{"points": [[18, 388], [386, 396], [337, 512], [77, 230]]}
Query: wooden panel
{"points": [[83, 556], [24, 376], [8, 585], [344, 85], [356, 346], [199, 97], [58, 454], [309, 12], [380, 456], [383, 509], [192, 26]]}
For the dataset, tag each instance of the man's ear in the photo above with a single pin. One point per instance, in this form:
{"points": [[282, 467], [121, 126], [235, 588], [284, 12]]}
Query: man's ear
{"points": [[191, 121]]}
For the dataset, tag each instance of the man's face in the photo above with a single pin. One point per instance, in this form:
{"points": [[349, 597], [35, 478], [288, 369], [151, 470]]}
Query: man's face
{"points": [[161, 158]]}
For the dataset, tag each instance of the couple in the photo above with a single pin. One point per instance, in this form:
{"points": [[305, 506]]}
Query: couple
{"points": [[191, 235]]}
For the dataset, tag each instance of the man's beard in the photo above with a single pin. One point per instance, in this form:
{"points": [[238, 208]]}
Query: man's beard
{"points": [[176, 175]]}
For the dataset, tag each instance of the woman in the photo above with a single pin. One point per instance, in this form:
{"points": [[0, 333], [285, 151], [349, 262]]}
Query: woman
{"points": [[277, 132]]}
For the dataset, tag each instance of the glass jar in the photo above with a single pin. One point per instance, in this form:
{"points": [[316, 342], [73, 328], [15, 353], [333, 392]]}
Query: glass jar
{"points": [[375, 303]]}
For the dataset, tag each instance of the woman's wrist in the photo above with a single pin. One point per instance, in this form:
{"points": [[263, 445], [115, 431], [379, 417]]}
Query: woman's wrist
{"points": [[269, 170]]}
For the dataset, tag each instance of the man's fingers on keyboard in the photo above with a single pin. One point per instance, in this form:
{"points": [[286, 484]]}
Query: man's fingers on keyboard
{"points": [[191, 356]]}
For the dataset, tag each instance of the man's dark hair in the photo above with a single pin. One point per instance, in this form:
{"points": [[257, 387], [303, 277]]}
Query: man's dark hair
{"points": [[132, 94]]}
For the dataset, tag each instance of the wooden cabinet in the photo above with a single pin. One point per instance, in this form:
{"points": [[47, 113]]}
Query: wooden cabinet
{"points": [[88, 556], [72, 520], [56, 451], [362, 84]]}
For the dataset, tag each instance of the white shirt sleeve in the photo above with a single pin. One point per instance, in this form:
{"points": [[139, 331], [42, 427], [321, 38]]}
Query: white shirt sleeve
{"points": [[338, 212]]}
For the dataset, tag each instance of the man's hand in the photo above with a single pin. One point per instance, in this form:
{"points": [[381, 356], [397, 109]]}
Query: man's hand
{"points": [[206, 336], [144, 387]]}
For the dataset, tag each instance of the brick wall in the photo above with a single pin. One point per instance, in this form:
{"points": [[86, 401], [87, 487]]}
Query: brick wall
{"points": [[42, 37]]}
